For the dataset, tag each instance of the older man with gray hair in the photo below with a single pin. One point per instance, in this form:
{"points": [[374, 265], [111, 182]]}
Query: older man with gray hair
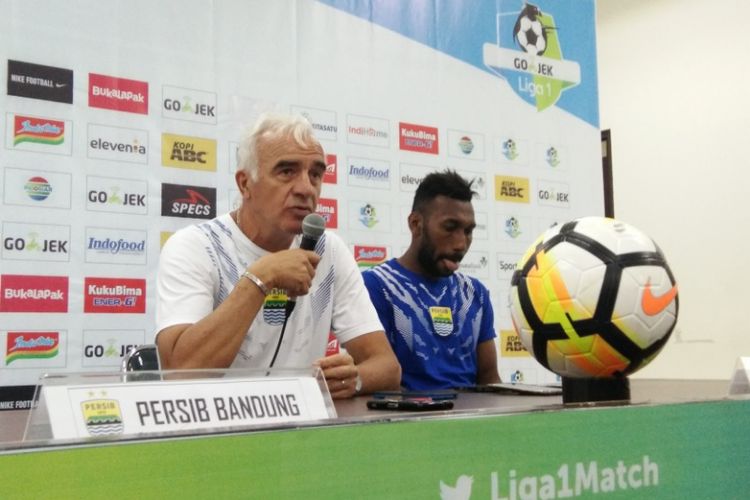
{"points": [[223, 284]]}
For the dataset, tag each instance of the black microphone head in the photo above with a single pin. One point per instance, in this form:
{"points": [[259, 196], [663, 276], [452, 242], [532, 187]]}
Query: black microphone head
{"points": [[313, 226]]}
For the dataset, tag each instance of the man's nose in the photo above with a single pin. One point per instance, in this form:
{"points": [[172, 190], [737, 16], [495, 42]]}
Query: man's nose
{"points": [[461, 241], [304, 186]]}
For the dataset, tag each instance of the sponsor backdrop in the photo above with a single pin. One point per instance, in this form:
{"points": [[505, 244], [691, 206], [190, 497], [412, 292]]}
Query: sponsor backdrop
{"points": [[116, 139]]}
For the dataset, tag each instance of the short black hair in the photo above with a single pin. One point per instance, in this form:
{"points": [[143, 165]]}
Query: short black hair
{"points": [[446, 183]]}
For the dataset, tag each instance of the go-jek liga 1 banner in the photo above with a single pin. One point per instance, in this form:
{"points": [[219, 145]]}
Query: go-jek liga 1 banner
{"points": [[115, 140]]}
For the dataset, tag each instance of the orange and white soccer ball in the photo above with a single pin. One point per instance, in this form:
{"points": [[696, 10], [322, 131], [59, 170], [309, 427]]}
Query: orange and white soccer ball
{"points": [[593, 297]]}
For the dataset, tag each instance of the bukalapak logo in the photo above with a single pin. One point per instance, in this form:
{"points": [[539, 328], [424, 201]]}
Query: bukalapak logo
{"points": [[119, 94], [37, 81], [24, 293], [114, 295], [419, 138], [178, 200]]}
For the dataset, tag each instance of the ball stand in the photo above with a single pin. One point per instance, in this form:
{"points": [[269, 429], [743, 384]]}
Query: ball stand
{"points": [[593, 390]]}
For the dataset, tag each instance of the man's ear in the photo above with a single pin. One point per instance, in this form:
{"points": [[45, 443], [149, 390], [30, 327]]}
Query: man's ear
{"points": [[243, 183], [415, 223]]}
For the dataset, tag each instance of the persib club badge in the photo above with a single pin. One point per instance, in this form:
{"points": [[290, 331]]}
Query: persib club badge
{"points": [[102, 417], [442, 320], [529, 56], [274, 307]]}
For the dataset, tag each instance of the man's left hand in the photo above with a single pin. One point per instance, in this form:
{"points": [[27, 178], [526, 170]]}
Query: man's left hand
{"points": [[341, 375]]}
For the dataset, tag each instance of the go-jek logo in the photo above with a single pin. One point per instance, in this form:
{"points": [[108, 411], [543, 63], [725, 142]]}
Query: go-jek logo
{"points": [[461, 491], [529, 56]]}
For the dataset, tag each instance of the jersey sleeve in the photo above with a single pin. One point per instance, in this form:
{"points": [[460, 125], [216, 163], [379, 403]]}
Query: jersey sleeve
{"points": [[377, 296], [186, 278]]}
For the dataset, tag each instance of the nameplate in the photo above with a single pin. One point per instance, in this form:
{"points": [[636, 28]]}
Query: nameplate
{"points": [[740, 381], [94, 410]]}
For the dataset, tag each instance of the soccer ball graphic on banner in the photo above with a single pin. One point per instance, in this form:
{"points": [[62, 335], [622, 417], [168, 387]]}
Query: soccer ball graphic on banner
{"points": [[529, 32], [593, 298]]}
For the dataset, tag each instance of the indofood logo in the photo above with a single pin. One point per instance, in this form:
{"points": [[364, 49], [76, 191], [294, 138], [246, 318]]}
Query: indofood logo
{"points": [[369, 173], [115, 246], [529, 56], [368, 216]]}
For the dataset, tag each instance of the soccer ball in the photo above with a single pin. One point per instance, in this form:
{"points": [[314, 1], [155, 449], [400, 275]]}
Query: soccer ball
{"points": [[529, 32], [593, 297]]}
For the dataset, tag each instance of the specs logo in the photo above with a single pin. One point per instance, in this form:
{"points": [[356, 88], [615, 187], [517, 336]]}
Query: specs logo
{"points": [[188, 201]]}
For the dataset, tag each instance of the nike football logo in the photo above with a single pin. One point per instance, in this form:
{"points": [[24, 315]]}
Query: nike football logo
{"points": [[653, 305]]}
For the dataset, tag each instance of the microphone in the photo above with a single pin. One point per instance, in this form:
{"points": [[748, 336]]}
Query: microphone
{"points": [[313, 227]]}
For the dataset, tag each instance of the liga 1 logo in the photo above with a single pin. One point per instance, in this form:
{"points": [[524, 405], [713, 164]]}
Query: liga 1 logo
{"points": [[529, 56]]}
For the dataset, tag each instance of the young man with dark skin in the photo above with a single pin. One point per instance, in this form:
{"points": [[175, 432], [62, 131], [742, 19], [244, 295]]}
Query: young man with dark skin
{"points": [[223, 284], [438, 320]]}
